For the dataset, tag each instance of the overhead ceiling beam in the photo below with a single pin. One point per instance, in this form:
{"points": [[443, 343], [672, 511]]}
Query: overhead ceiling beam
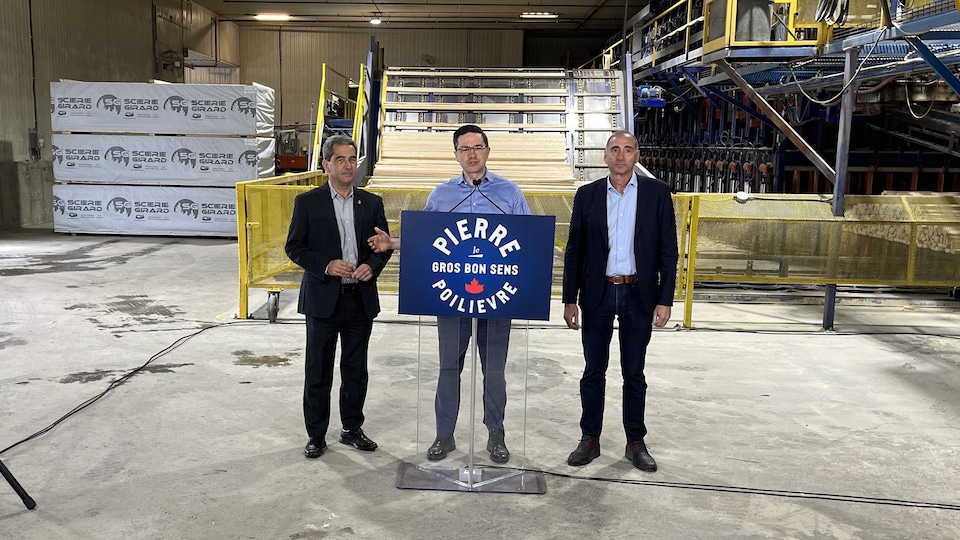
{"points": [[590, 15]]}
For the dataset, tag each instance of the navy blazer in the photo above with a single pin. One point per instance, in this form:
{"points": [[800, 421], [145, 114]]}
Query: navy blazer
{"points": [[314, 240], [654, 245]]}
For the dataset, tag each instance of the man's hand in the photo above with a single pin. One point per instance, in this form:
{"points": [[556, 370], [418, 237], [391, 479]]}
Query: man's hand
{"points": [[379, 242], [571, 314], [661, 314], [340, 268], [363, 272]]}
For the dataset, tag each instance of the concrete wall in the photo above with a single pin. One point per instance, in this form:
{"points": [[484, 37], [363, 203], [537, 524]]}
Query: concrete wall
{"points": [[46, 41], [27, 194]]}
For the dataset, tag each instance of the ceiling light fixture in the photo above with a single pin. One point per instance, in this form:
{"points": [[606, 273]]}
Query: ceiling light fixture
{"points": [[375, 19], [538, 15], [271, 17]]}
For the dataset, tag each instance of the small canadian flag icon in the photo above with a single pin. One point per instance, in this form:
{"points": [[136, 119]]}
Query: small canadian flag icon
{"points": [[474, 287]]}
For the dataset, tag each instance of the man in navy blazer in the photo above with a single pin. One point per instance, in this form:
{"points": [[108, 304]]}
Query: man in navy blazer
{"points": [[338, 293], [620, 262]]}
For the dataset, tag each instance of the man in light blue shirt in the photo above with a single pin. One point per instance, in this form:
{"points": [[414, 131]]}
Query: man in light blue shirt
{"points": [[475, 191], [624, 269]]}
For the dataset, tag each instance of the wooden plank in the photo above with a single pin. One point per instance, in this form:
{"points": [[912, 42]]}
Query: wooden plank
{"points": [[474, 107], [486, 127], [518, 74], [478, 91], [423, 159]]}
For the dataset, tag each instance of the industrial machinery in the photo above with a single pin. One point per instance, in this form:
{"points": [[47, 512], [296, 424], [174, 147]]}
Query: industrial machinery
{"points": [[292, 148]]}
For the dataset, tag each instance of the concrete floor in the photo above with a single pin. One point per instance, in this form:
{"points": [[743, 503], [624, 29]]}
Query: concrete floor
{"points": [[763, 426]]}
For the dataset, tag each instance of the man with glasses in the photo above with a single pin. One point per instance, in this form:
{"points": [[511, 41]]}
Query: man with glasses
{"points": [[478, 191], [620, 262]]}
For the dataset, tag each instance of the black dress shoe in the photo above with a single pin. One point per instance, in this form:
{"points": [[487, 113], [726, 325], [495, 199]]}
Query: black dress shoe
{"points": [[438, 450], [357, 439], [497, 447], [315, 447], [637, 453], [587, 451]]}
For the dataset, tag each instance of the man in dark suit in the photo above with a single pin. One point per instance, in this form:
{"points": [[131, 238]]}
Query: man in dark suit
{"points": [[620, 262], [338, 294]]}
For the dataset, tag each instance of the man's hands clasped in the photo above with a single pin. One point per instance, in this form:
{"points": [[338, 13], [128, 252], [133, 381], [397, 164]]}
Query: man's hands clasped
{"points": [[343, 269]]}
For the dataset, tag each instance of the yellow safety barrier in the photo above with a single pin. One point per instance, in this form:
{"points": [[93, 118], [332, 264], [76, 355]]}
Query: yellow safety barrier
{"points": [[264, 208], [895, 240]]}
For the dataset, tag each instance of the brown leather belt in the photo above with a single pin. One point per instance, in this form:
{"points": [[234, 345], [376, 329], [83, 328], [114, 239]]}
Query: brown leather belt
{"points": [[620, 280]]}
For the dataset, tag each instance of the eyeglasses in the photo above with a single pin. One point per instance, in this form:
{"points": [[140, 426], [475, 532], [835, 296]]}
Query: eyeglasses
{"points": [[467, 149]]}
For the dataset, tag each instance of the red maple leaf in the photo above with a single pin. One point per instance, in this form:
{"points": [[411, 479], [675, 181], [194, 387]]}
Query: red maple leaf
{"points": [[474, 287]]}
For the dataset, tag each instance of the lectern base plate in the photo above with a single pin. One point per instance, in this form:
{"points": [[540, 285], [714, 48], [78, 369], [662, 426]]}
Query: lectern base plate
{"points": [[479, 479]]}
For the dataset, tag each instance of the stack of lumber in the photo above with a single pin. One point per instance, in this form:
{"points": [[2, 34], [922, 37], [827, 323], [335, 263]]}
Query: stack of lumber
{"points": [[423, 159]]}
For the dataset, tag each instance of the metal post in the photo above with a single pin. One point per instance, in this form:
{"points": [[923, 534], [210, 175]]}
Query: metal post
{"points": [[27, 500], [474, 327], [840, 184]]}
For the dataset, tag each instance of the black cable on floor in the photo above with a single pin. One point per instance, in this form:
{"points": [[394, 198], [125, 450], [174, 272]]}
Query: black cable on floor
{"points": [[656, 483], [124, 378], [767, 492]]}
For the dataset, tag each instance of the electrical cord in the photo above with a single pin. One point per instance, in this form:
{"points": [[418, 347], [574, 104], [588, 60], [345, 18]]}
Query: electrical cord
{"points": [[122, 379], [626, 481], [833, 12], [853, 79], [906, 92], [757, 491]]}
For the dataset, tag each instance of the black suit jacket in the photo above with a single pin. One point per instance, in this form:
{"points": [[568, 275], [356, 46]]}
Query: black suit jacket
{"points": [[654, 245], [314, 240]]}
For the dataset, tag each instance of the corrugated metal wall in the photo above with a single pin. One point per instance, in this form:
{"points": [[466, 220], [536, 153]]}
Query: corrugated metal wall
{"points": [[171, 29], [290, 60], [99, 40], [202, 33], [211, 75], [229, 37], [16, 88]]}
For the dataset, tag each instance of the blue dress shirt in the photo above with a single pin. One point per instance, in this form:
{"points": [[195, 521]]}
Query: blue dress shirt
{"points": [[621, 223], [459, 193]]}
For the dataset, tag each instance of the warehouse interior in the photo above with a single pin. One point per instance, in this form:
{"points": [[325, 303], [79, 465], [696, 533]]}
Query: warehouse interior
{"points": [[806, 386]]}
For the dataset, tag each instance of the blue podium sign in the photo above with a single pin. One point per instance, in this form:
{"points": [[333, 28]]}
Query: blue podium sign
{"points": [[482, 266]]}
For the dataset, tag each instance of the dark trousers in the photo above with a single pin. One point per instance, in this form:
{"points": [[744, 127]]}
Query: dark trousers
{"points": [[350, 323], [623, 302], [493, 340]]}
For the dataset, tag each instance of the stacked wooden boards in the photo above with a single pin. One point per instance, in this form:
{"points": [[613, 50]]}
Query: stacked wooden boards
{"points": [[423, 159]]}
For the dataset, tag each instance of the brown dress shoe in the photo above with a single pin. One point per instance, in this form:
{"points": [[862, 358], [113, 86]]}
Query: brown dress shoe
{"points": [[641, 459], [587, 451]]}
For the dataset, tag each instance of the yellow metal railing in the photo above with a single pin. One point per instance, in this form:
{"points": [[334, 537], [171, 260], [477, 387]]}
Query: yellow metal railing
{"points": [[892, 240], [335, 84], [680, 32], [264, 208]]}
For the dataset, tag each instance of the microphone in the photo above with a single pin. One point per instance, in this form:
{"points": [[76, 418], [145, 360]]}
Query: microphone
{"points": [[476, 186]]}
